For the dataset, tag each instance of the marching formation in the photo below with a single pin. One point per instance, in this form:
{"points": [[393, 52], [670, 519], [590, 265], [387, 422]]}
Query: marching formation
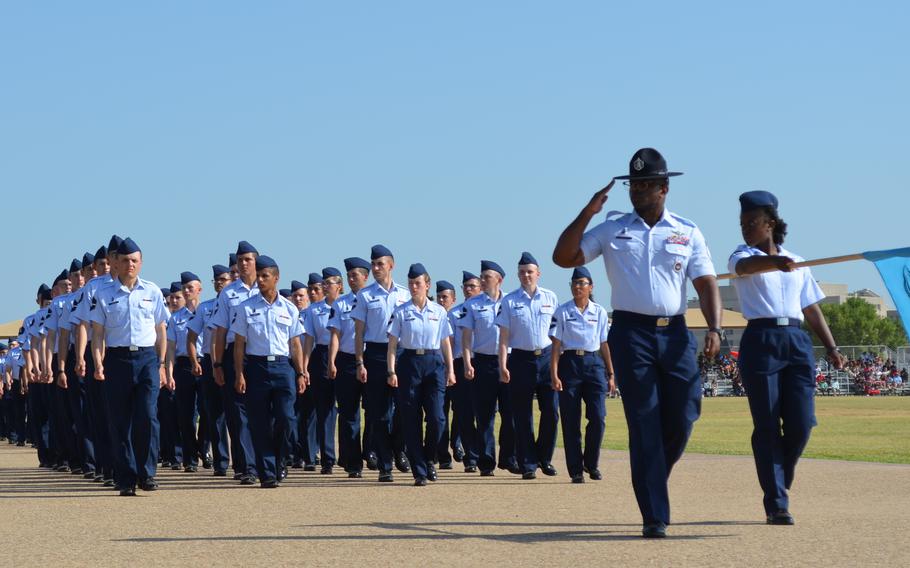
{"points": [[113, 376]]}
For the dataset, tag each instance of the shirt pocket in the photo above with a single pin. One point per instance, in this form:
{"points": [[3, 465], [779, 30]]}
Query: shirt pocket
{"points": [[256, 324], [677, 256], [117, 315]]}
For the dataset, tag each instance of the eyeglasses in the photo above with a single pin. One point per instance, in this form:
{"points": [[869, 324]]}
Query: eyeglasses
{"points": [[580, 283], [644, 185]]}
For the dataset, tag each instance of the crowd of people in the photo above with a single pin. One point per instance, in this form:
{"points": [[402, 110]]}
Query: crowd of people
{"points": [[871, 375]]}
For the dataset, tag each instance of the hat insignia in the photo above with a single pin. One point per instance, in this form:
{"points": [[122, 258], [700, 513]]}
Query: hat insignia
{"points": [[638, 164]]}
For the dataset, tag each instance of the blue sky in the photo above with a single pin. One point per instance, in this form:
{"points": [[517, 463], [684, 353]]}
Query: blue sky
{"points": [[449, 133]]}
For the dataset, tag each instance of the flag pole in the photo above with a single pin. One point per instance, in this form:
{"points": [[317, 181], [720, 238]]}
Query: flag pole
{"points": [[816, 262]]}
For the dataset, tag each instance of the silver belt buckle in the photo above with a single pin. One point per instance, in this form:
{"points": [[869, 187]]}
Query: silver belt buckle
{"points": [[270, 358], [783, 321], [663, 322], [134, 348], [580, 352], [420, 351]]}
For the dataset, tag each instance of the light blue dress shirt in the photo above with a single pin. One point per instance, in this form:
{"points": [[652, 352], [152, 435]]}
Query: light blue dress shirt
{"points": [[176, 331], [418, 328], [528, 318], [315, 319], [374, 307], [129, 317], [266, 327], [455, 314], [87, 300], [577, 329], [340, 319], [199, 324], [648, 266], [774, 294], [226, 304], [480, 317], [15, 362]]}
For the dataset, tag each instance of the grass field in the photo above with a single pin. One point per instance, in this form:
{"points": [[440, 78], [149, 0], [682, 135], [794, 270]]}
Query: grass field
{"points": [[875, 429]]}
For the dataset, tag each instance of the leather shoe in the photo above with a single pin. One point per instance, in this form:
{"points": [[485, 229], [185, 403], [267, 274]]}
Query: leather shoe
{"points": [[386, 477], [219, 473], [447, 465], [431, 472], [298, 464], [108, 483], [458, 453], [206, 462], [282, 473], [309, 467], [654, 530], [191, 469], [175, 466], [247, 479], [327, 470], [529, 475], [595, 474], [780, 517], [420, 482], [354, 475], [470, 469], [511, 468], [98, 478], [128, 492], [548, 469], [88, 475], [487, 473], [238, 476], [580, 478], [269, 484], [401, 463], [149, 484], [372, 461]]}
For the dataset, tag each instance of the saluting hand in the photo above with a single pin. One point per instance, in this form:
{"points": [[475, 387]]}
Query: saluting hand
{"points": [[596, 204]]}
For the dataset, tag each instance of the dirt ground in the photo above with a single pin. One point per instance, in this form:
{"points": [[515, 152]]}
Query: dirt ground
{"points": [[847, 513]]}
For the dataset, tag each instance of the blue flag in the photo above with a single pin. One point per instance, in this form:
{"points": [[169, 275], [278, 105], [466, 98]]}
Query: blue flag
{"points": [[894, 267]]}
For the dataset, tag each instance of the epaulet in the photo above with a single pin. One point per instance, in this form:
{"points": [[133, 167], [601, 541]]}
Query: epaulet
{"points": [[683, 220], [615, 214]]}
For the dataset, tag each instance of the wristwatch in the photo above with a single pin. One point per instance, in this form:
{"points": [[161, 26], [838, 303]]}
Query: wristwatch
{"points": [[717, 330], [217, 364], [299, 375], [390, 373], [359, 363]]}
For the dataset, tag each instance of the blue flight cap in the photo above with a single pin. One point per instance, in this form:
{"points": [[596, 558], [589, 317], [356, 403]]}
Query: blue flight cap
{"points": [[75, 265], [64, 275], [313, 279], [582, 272], [128, 246], [297, 285], [752, 200], [379, 251], [355, 262], [263, 262], [330, 271], [444, 285], [87, 258], [285, 293], [187, 277], [232, 259], [101, 253], [243, 247], [114, 243], [465, 276], [490, 265], [165, 291], [45, 295], [176, 287], [219, 269], [527, 258], [3, 346], [44, 288], [416, 270]]}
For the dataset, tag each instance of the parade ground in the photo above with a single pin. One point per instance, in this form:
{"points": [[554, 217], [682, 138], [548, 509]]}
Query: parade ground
{"points": [[847, 512]]}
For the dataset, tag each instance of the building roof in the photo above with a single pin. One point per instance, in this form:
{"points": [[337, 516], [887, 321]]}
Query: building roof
{"points": [[731, 319], [10, 328]]}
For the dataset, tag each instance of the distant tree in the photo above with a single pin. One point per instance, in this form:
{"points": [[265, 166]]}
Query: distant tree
{"points": [[855, 322]]}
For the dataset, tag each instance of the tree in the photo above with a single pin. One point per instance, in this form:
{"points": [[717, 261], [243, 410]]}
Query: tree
{"points": [[855, 322]]}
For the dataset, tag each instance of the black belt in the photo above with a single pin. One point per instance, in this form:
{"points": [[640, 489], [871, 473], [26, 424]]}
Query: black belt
{"points": [[129, 349], [485, 356], [534, 353], [186, 359], [763, 323], [268, 358], [421, 351], [646, 320]]}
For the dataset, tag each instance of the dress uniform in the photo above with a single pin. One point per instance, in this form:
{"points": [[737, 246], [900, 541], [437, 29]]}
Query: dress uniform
{"points": [[581, 371], [421, 372], [242, 453], [349, 391], [480, 350], [776, 359], [171, 441], [14, 364], [526, 315], [307, 442], [463, 392], [130, 314], [267, 332], [38, 397], [653, 351], [318, 335], [450, 434], [372, 310], [213, 399]]}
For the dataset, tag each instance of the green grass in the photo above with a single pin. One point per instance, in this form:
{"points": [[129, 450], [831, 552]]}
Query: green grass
{"points": [[875, 429]]}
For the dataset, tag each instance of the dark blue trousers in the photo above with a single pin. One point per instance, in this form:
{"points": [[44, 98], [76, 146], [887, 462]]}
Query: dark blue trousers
{"points": [[491, 395], [661, 395], [39, 421], [213, 399], [463, 414], [100, 419], [19, 405], [349, 392], [324, 399], [530, 376], [421, 389], [379, 403], [778, 371], [583, 379], [131, 387], [171, 445], [79, 413], [270, 391], [450, 435], [302, 437], [243, 456], [188, 391]]}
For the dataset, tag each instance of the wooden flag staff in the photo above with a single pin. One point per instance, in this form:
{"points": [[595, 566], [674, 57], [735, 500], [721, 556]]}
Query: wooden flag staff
{"points": [[816, 262]]}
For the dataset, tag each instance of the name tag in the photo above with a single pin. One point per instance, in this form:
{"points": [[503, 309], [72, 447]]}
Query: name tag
{"points": [[433, 318], [284, 318]]}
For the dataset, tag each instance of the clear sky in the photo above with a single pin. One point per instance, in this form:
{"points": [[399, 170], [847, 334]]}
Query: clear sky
{"points": [[449, 132]]}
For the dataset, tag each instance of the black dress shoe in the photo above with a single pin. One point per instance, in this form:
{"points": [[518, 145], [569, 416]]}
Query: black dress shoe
{"points": [[548, 469], [206, 462], [326, 470], [386, 477], [98, 478], [580, 478], [372, 461], [470, 469], [149, 484], [88, 475], [298, 464], [165, 464], [354, 475], [191, 469], [447, 465], [128, 492], [269, 484], [62, 468], [282, 473], [247, 479], [780, 517], [529, 475], [219, 473], [76, 471], [108, 482], [420, 482], [20, 444], [595, 474], [401, 463], [431, 472], [317, 462], [176, 466], [238, 476], [654, 530], [458, 453], [309, 467], [487, 473]]}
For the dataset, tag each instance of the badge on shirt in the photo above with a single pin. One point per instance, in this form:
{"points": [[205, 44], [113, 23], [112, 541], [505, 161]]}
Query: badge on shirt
{"points": [[678, 238], [678, 266], [283, 319], [431, 317]]}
